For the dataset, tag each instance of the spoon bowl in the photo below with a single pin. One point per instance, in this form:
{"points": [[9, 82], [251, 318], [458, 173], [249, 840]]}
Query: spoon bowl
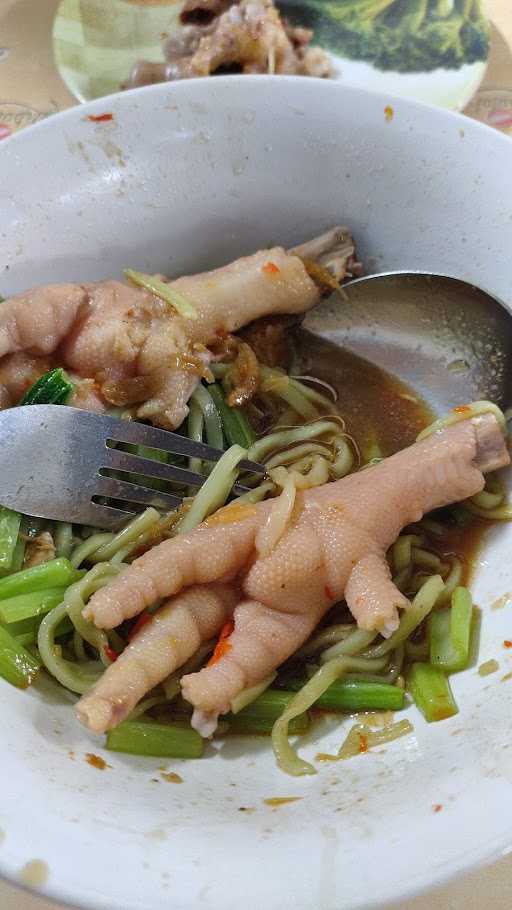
{"points": [[444, 337]]}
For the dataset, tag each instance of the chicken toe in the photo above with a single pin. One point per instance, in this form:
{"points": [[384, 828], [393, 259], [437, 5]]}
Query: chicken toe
{"points": [[207, 554], [173, 634], [261, 640], [372, 597]]}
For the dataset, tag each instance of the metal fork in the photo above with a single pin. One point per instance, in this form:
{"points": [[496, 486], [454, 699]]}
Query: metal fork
{"points": [[54, 459]]}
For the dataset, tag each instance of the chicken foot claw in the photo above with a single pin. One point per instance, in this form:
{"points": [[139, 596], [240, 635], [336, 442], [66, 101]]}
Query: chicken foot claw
{"points": [[262, 638], [135, 348], [334, 547], [173, 635], [372, 597]]}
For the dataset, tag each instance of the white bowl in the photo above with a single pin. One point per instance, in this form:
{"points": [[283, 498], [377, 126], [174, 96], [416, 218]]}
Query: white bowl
{"points": [[191, 175]]}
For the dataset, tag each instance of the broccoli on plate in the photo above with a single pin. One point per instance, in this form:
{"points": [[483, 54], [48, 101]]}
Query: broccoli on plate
{"points": [[401, 35]]}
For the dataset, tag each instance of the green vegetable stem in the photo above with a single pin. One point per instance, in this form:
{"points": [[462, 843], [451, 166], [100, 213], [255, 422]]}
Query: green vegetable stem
{"points": [[159, 740]]}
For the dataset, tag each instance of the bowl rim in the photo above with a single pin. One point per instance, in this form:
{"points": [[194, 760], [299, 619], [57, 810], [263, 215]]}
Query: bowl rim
{"points": [[184, 85]]}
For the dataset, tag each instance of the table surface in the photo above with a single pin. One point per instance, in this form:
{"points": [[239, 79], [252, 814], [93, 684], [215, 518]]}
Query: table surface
{"points": [[25, 28]]}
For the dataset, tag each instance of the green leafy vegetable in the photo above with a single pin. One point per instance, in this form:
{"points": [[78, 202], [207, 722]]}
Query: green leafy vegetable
{"points": [[54, 387], [400, 35], [22, 614], [261, 714], [211, 416], [237, 428]]}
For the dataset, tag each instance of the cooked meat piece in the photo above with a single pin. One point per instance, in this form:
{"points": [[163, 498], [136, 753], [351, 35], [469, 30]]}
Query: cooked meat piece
{"points": [[334, 547], [135, 347], [269, 338], [38, 550], [173, 635], [202, 12], [343, 264], [222, 36], [198, 558], [249, 35], [18, 372]]}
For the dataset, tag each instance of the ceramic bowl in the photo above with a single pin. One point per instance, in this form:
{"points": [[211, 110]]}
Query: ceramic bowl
{"points": [[188, 176]]}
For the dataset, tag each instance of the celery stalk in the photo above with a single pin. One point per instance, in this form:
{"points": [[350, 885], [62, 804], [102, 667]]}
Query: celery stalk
{"points": [[29, 606], [9, 531], [159, 740], [56, 573], [431, 692], [17, 665], [261, 714], [356, 695], [450, 633]]}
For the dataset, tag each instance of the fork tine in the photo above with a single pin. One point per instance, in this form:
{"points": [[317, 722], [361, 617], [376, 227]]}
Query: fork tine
{"points": [[128, 492], [135, 464], [107, 517], [152, 437], [114, 459]]}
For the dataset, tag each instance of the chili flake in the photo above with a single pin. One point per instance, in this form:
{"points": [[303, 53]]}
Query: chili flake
{"points": [[110, 653], [100, 118], [141, 622], [222, 647]]}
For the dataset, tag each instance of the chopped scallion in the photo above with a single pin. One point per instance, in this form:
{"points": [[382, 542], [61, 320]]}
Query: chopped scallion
{"points": [[237, 428], [53, 387]]}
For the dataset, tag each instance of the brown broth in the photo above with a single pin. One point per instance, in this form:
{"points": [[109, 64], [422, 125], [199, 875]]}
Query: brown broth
{"points": [[378, 408], [466, 543], [381, 410]]}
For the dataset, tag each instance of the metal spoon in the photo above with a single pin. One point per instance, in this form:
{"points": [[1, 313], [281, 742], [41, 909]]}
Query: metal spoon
{"points": [[448, 340]]}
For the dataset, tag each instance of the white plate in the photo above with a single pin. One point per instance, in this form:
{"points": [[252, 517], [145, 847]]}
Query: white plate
{"points": [[95, 50], [191, 175], [452, 89]]}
